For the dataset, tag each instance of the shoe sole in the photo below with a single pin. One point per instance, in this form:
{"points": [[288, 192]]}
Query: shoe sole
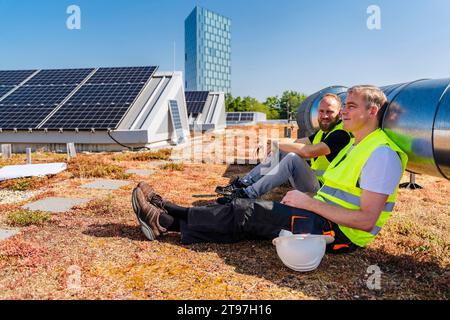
{"points": [[223, 193], [223, 200], [137, 209]]}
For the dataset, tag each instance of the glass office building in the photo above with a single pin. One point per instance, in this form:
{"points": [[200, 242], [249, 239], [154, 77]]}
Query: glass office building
{"points": [[207, 38]]}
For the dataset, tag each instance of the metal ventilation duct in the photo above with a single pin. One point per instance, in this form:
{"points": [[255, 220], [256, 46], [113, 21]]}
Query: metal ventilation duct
{"points": [[417, 119]]}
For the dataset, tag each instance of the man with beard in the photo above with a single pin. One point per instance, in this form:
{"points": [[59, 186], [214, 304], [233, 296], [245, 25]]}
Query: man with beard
{"points": [[321, 147]]}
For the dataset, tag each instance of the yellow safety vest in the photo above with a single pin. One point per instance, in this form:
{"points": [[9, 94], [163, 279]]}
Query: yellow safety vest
{"points": [[341, 186], [321, 163]]}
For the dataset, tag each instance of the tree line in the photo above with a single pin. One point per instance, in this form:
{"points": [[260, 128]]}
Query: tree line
{"points": [[274, 107]]}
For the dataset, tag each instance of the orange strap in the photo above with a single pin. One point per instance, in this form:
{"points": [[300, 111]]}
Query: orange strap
{"points": [[340, 246], [329, 233], [293, 219]]}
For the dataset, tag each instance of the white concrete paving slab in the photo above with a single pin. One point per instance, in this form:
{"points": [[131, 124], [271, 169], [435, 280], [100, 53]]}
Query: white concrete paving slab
{"points": [[106, 184], [7, 233], [140, 172], [31, 170], [55, 204]]}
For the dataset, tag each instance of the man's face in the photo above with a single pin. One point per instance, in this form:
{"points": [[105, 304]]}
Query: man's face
{"points": [[355, 113], [328, 114]]}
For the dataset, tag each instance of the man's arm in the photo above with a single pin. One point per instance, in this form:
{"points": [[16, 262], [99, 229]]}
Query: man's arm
{"points": [[301, 141], [331, 144], [372, 204], [306, 150], [305, 140]]}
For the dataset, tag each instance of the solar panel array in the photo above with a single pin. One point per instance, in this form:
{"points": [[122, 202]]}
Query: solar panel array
{"points": [[103, 100], [61, 99], [240, 117], [33, 99], [195, 101]]}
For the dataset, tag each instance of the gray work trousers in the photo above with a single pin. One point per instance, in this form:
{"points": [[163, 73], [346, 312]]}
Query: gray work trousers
{"points": [[268, 175]]}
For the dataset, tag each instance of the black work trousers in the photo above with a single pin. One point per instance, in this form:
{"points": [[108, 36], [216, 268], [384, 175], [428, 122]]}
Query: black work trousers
{"points": [[250, 219]]}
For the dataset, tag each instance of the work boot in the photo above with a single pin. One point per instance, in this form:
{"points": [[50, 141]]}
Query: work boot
{"points": [[151, 195], [147, 215], [228, 189], [237, 193]]}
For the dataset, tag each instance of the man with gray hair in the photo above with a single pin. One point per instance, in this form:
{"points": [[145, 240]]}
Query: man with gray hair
{"points": [[290, 163]]}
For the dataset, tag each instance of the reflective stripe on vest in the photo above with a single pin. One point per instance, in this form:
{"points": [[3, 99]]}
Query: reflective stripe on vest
{"points": [[351, 198]]}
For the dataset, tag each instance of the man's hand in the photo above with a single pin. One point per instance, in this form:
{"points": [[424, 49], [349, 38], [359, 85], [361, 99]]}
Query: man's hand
{"points": [[298, 199], [269, 145]]}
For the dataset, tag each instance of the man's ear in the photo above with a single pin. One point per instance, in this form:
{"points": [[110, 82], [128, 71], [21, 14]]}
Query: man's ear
{"points": [[374, 110]]}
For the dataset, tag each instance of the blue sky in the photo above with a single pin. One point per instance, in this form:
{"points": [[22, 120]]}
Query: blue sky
{"points": [[277, 45]]}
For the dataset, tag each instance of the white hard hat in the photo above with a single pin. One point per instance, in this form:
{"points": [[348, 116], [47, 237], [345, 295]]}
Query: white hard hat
{"points": [[301, 252]]}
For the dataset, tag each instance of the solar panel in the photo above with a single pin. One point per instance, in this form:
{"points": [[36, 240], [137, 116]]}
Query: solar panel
{"points": [[196, 96], [176, 120], [195, 107], [23, 116], [247, 117], [95, 106], [14, 77], [4, 90], [195, 101], [37, 95], [106, 94], [83, 117], [59, 77], [122, 75], [233, 116], [29, 105]]}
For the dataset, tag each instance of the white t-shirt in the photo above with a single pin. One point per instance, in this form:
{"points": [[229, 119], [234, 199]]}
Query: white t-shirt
{"points": [[382, 171]]}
